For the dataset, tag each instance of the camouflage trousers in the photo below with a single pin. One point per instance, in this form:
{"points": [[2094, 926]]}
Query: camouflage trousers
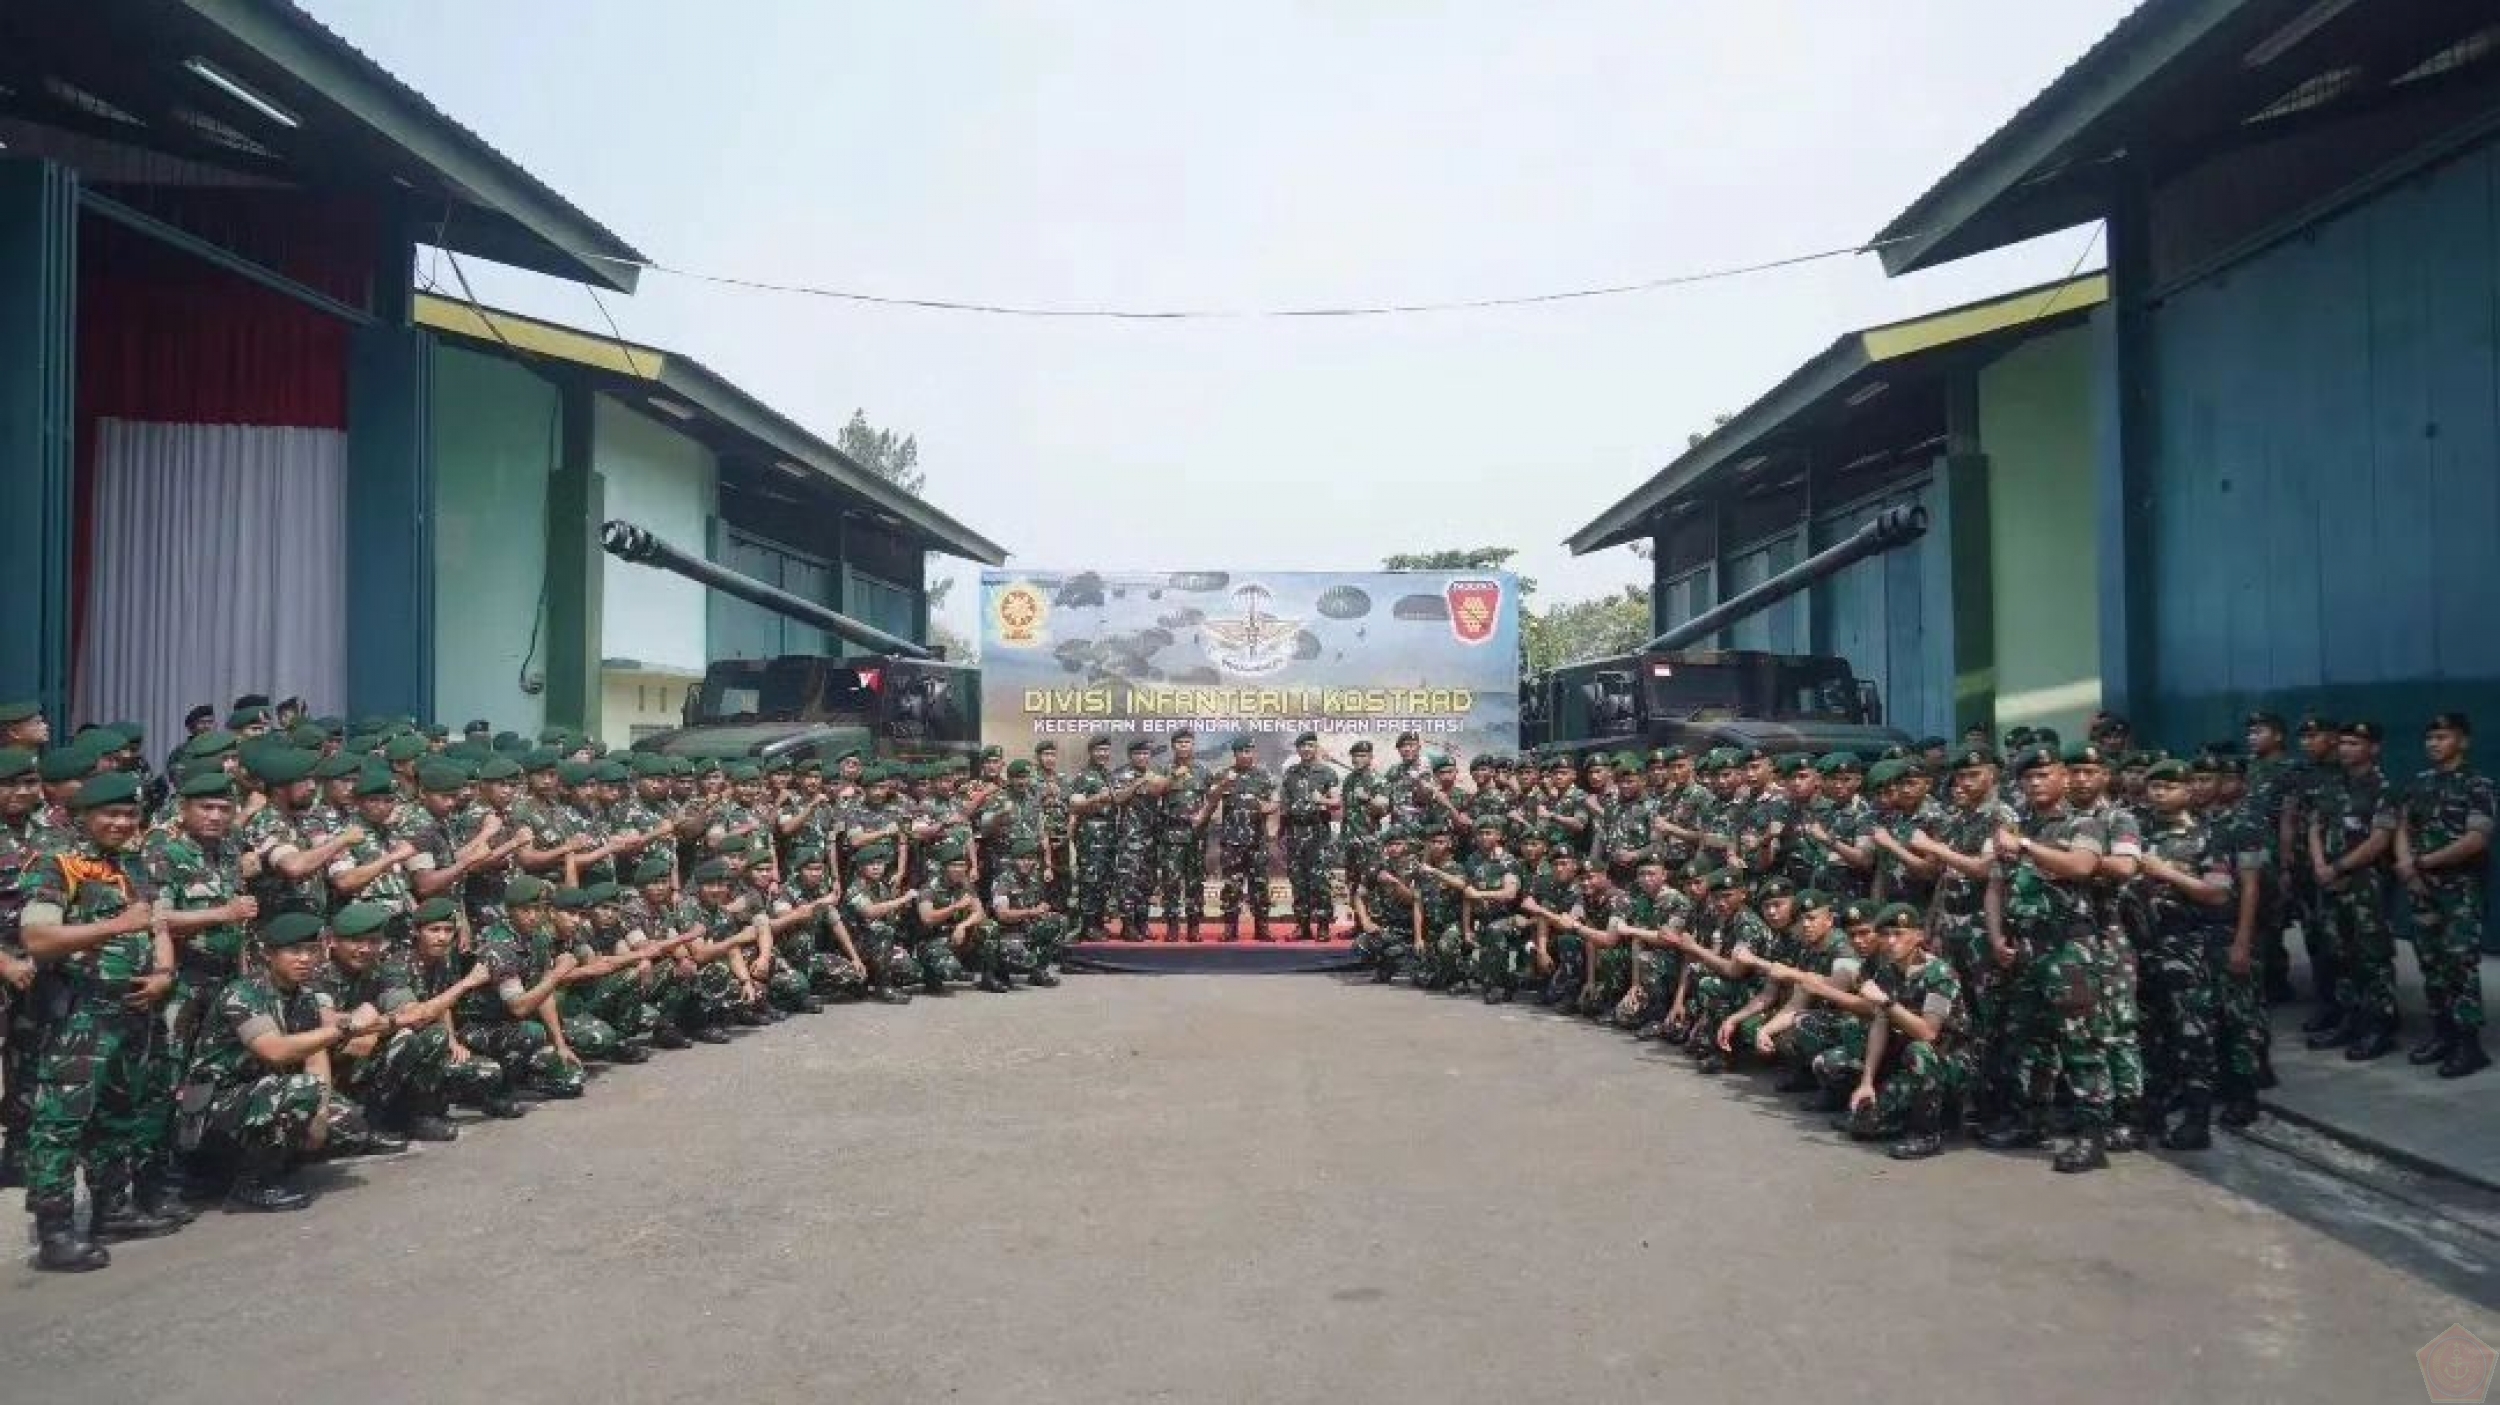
{"points": [[2061, 1046], [1095, 856], [1358, 857], [1132, 882], [2120, 1020], [889, 961], [1917, 1083], [1453, 955], [622, 1000], [1570, 953], [1309, 863], [1609, 978], [2180, 1015], [2448, 943], [20, 1039], [418, 1061], [697, 1000], [1502, 955], [1042, 941], [1715, 997], [1181, 875], [1821, 1031], [1392, 945], [1992, 1049], [1244, 871], [935, 960], [2242, 1036], [1650, 981], [2365, 950], [528, 1056], [96, 1101], [273, 1115]]}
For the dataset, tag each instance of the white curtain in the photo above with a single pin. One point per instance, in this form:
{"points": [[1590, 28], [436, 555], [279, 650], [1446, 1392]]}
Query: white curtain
{"points": [[216, 567]]}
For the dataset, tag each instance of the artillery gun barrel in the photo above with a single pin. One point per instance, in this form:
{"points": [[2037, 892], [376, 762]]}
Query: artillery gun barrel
{"points": [[1893, 527], [627, 542]]}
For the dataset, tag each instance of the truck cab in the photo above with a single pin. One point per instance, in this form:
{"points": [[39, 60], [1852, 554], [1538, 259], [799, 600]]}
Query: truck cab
{"points": [[1706, 698], [803, 705]]}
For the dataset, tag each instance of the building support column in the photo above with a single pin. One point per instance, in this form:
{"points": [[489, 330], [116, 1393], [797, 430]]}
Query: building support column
{"points": [[2124, 403], [1969, 556], [390, 496], [576, 571], [38, 373]]}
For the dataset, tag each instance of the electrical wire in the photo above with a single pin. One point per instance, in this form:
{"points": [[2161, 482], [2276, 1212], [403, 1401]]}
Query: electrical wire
{"points": [[2059, 290], [613, 330], [1131, 314]]}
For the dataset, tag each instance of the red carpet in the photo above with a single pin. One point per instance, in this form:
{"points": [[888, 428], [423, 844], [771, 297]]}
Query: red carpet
{"points": [[1211, 954]]}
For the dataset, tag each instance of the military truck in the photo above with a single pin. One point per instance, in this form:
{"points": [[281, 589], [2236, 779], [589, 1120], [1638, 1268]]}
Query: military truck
{"points": [[902, 702], [1667, 694]]}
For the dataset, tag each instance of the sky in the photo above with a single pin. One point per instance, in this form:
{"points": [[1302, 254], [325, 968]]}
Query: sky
{"points": [[1238, 156]]}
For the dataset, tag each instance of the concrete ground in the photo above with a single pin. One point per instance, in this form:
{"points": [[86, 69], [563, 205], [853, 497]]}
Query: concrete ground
{"points": [[1246, 1189]]}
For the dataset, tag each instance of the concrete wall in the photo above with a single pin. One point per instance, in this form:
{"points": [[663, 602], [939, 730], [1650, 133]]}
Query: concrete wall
{"points": [[633, 704], [2037, 427], [665, 482], [495, 433]]}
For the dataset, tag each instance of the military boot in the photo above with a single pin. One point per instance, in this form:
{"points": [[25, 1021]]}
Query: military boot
{"points": [[118, 1215], [1921, 1140], [2377, 1038], [2434, 1048], [2345, 1029], [159, 1192], [669, 1036], [261, 1185], [2085, 1151], [2194, 1129], [423, 1118], [502, 1106], [2127, 1129], [12, 1163], [2015, 1132], [2465, 1057], [60, 1248], [889, 995]]}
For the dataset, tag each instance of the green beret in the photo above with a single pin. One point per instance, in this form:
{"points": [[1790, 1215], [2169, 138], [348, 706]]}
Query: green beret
{"points": [[15, 761], [605, 892], [804, 854], [339, 765], [1898, 915], [610, 773], [281, 763], [1975, 758], [360, 920], [12, 713], [1884, 773], [1774, 888], [2033, 758], [1839, 763], [211, 784], [1044, 747], [1813, 900], [543, 759], [746, 771], [111, 788], [377, 781], [526, 890], [441, 780], [501, 768], [1019, 770], [654, 869], [1725, 880], [363, 743], [306, 735], [434, 910], [511, 741], [1242, 744], [874, 853], [185, 770], [2168, 771], [1793, 764], [573, 773], [1668, 756], [1858, 910], [2085, 754], [649, 764], [67, 763], [1627, 761], [471, 751], [1307, 739], [1444, 762], [216, 743], [243, 717], [711, 871], [572, 899], [401, 750], [289, 929]]}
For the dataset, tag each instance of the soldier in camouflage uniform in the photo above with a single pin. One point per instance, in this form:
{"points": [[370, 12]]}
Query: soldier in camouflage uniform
{"points": [[1367, 808], [2443, 841], [1139, 797], [1492, 896], [1913, 1063], [1181, 849], [1058, 826], [106, 968], [808, 932], [2304, 785], [258, 1089], [1026, 932], [1959, 847], [955, 933], [2044, 929], [1723, 983], [21, 796], [285, 869], [2191, 891], [876, 912], [1824, 1014], [516, 1017], [2352, 832], [372, 868], [2117, 954], [426, 1058], [1097, 838], [2268, 767], [1246, 808], [1384, 908], [1307, 797]]}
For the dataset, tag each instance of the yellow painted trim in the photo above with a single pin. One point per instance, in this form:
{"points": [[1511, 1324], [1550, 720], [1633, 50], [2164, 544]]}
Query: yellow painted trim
{"points": [[467, 319], [1890, 343]]}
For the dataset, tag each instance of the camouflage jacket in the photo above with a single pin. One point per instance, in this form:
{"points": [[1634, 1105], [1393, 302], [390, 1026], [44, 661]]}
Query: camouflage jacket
{"points": [[182, 874], [2441, 807], [89, 884], [247, 1009]]}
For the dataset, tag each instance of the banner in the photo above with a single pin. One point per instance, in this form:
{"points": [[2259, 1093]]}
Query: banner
{"points": [[1272, 654]]}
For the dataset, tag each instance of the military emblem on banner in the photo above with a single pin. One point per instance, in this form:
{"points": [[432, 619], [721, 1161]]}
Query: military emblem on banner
{"points": [[1475, 609], [1019, 612]]}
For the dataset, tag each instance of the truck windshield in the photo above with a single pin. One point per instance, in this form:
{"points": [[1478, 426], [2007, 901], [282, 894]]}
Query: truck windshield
{"points": [[785, 690]]}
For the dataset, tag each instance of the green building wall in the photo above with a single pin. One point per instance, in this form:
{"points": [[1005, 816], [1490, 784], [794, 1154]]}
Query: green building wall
{"points": [[2037, 427], [496, 437]]}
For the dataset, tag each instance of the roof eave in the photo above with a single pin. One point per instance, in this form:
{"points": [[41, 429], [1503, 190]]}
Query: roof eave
{"points": [[1803, 387], [574, 245], [753, 418], [1938, 227]]}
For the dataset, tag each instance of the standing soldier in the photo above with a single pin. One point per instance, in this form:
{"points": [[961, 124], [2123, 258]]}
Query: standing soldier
{"points": [[1139, 795], [2190, 893], [1245, 800], [1181, 853], [1308, 795], [2269, 768], [2351, 831], [283, 866], [2443, 837], [1057, 825], [1367, 806], [2304, 785], [2042, 928], [194, 873], [21, 795], [1097, 838]]}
